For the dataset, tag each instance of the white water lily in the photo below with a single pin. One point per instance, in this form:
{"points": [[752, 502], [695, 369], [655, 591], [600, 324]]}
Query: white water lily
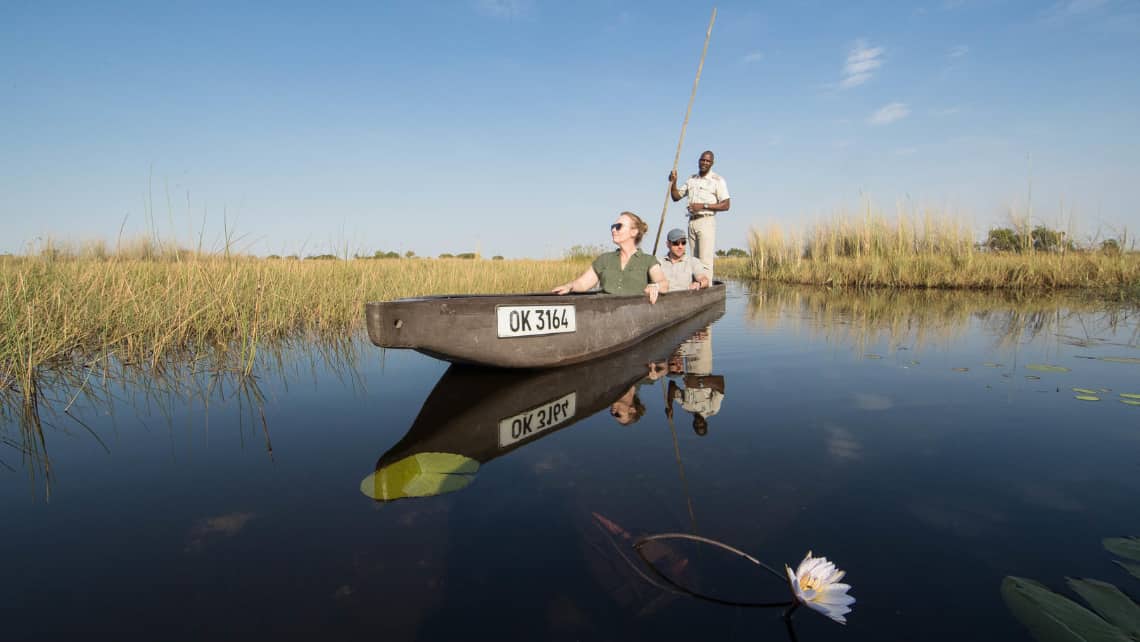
{"points": [[816, 585]]}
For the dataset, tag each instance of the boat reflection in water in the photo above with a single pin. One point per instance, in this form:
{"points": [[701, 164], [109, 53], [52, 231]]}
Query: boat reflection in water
{"points": [[474, 415]]}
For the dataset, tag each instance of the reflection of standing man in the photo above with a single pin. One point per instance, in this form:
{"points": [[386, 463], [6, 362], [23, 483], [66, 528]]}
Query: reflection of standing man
{"points": [[703, 392], [708, 194]]}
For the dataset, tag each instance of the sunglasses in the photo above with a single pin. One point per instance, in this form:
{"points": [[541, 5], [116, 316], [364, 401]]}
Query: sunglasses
{"points": [[681, 242], [616, 226]]}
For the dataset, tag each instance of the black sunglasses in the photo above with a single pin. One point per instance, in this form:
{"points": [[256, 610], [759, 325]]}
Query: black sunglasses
{"points": [[681, 242], [615, 227]]}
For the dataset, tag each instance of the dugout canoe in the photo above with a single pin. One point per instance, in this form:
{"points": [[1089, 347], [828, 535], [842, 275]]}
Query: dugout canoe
{"points": [[474, 414], [530, 330]]}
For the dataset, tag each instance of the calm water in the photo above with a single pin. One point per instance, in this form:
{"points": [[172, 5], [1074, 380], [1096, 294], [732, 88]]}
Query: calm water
{"points": [[915, 440]]}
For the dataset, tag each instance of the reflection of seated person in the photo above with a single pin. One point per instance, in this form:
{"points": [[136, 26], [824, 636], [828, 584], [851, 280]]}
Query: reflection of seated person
{"points": [[628, 408], [701, 396], [683, 272]]}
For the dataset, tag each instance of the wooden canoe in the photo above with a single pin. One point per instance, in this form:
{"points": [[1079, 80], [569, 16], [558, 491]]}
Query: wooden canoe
{"points": [[530, 330], [474, 415]]}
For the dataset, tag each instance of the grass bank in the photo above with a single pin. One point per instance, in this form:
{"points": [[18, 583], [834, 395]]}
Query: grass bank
{"points": [[73, 310], [872, 251]]}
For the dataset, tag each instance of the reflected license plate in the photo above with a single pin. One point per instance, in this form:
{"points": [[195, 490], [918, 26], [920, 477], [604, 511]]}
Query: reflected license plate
{"points": [[529, 424], [532, 320]]}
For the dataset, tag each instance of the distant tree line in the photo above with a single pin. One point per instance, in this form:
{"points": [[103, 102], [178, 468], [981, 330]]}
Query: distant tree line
{"points": [[732, 252], [1041, 239]]}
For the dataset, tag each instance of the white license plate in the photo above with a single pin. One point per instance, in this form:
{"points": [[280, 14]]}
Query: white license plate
{"points": [[528, 424], [531, 320]]}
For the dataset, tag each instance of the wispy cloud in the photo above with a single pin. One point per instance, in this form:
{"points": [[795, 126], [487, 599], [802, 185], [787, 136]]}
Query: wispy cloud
{"points": [[1065, 9], [755, 56], [889, 113], [862, 61], [505, 9], [958, 51]]}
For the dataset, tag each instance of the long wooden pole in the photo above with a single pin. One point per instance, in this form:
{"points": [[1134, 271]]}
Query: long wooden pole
{"points": [[689, 110]]}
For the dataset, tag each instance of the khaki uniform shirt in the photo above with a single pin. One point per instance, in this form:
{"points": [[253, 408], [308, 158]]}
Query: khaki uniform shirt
{"points": [[631, 280], [709, 188], [683, 272]]}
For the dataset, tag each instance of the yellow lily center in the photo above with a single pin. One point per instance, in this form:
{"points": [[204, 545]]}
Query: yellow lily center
{"points": [[809, 583]]}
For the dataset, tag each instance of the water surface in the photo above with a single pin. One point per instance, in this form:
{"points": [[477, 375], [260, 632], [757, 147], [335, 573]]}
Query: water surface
{"points": [[930, 444]]}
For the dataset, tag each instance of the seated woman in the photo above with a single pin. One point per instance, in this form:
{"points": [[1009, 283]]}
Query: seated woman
{"points": [[627, 270]]}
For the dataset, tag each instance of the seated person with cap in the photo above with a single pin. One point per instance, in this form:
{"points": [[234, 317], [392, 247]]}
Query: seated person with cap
{"points": [[681, 270]]}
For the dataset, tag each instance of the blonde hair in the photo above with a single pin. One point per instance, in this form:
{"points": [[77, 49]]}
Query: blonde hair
{"points": [[641, 226]]}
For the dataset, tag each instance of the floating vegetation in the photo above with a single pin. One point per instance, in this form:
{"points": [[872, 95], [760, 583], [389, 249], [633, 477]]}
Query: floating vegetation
{"points": [[990, 364], [1032, 378], [871, 355], [1044, 367], [1084, 391], [1130, 402], [1130, 395], [1134, 360], [1088, 397], [960, 369]]}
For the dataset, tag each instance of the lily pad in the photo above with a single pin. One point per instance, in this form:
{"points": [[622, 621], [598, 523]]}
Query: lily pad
{"points": [[1135, 360], [1050, 616], [1032, 378], [960, 369], [1087, 397], [1084, 391], [1134, 569], [871, 355], [1044, 367], [1123, 546], [420, 475], [1110, 603], [1130, 395], [990, 364], [1130, 402]]}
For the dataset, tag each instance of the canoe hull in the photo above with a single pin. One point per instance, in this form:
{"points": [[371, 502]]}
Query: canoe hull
{"points": [[464, 329]]}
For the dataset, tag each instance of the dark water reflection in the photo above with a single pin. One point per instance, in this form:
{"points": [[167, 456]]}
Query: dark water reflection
{"points": [[915, 439]]}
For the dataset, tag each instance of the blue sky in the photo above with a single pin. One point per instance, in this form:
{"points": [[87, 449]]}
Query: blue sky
{"points": [[522, 127]]}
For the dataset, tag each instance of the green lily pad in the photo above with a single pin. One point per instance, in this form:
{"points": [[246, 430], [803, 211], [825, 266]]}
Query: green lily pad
{"points": [[1044, 367], [1123, 546], [1130, 402], [1087, 397], [871, 355], [990, 364], [1110, 603], [1134, 569], [1135, 360], [1130, 395], [1084, 391], [1032, 378], [1051, 617]]}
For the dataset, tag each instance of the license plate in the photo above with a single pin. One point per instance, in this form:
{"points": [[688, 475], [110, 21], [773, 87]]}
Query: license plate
{"points": [[529, 424], [532, 320]]}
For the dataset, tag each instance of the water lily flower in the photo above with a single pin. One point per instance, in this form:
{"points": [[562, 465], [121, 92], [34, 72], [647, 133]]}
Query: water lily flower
{"points": [[816, 584]]}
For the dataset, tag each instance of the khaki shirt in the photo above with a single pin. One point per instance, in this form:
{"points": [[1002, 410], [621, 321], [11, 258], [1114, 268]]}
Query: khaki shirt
{"points": [[709, 188], [683, 272]]}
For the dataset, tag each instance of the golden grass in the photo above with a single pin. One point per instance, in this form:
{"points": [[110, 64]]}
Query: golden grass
{"points": [[64, 311], [924, 252]]}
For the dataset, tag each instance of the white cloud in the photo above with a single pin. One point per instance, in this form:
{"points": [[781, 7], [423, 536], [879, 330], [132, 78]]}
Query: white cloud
{"points": [[755, 56], [1071, 8], [862, 61], [506, 9], [888, 114], [958, 51]]}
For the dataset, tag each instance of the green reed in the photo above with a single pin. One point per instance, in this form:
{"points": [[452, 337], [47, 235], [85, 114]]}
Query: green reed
{"points": [[63, 311], [927, 251]]}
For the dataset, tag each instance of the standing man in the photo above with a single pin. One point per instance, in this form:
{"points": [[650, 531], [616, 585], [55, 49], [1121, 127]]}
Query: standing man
{"points": [[708, 194], [680, 270]]}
